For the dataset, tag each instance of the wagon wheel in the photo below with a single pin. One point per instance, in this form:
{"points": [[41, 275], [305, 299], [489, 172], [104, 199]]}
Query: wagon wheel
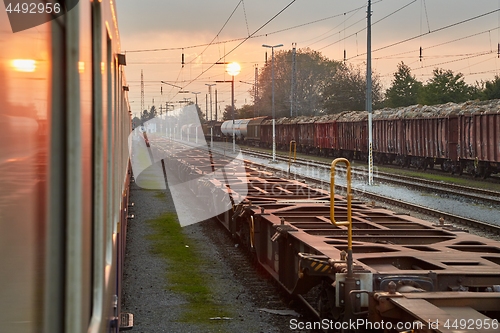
{"points": [[326, 302], [485, 172], [326, 306]]}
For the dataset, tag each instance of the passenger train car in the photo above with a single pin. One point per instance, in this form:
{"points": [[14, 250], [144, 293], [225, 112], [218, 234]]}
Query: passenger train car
{"points": [[64, 172]]}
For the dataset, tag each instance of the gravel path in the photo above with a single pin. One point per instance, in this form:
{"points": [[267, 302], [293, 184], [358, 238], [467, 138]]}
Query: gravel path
{"points": [[232, 279]]}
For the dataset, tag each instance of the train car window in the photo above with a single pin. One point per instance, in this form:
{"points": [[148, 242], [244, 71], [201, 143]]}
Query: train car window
{"points": [[25, 135]]}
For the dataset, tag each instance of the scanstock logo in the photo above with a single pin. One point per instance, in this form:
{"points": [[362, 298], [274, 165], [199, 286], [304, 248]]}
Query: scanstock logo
{"points": [[161, 150], [28, 14]]}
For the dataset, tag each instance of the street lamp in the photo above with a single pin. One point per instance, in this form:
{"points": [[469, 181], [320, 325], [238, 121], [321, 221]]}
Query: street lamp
{"points": [[233, 69], [272, 105], [196, 94]]}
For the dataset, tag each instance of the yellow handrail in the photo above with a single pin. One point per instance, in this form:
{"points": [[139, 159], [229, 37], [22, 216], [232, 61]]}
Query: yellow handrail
{"points": [[348, 223], [290, 155]]}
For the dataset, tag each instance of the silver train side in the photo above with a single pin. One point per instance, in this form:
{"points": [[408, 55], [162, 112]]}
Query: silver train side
{"points": [[64, 173]]}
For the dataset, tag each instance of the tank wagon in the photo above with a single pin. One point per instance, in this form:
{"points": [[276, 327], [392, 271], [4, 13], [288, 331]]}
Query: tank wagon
{"points": [[238, 127]]}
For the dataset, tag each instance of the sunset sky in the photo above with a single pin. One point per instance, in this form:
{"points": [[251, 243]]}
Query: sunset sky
{"points": [[155, 34]]}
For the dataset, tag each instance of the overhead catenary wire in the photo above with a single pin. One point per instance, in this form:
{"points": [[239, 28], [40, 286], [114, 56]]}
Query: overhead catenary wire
{"points": [[432, 31], [246, 19], [477, 63], [242, 38], [427, 17], [253, 35], [353, 12], [243, 41], [345, 28], [218, 33], [391, 56], [469, 56], [363, 29], [463, 57]]}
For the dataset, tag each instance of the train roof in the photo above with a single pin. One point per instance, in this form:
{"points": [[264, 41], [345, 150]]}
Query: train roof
{"points": [[412, 111], [440, 110]]}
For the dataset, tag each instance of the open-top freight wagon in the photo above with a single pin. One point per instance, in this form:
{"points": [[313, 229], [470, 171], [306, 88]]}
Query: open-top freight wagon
{"points": [[457, 137]]}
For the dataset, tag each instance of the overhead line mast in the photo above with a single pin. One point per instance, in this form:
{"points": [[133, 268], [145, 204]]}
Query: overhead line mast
{"points": [[142, 92], [369, 91], [294, 73]]}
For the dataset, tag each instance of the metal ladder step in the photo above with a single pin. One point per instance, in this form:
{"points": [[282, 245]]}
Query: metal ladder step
{"points": [[126, 321]]}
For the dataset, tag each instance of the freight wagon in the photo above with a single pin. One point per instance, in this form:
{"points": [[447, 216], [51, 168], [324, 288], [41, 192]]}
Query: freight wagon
{"points": [[458, 137]]}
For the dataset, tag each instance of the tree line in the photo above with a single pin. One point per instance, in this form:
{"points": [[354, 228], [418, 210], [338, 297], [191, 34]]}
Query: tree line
{"points": [[444, 86], [324, 86]]}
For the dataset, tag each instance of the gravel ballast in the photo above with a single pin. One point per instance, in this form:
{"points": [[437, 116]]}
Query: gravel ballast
{"points": [[232, 280]]}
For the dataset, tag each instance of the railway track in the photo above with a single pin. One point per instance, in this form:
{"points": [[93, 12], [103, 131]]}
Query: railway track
{"points": [[471, 193], [445, 219]]}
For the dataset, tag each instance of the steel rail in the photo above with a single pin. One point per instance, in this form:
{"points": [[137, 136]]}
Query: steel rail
{"points": [[440, 215], [471, 193]]}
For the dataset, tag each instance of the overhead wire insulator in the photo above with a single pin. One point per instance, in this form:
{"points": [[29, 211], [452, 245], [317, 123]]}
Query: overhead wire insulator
{"points": [[420, 56], [345, 55], [498, 51], [182, 61]]}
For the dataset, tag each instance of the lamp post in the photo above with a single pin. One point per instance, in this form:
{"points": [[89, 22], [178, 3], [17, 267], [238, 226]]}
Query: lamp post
{"points": [[233, 69], [272, 105], [196, 94]]}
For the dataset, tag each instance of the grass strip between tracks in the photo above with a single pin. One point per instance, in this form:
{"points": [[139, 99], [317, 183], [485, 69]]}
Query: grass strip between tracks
{"points": [[185, 271]]}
